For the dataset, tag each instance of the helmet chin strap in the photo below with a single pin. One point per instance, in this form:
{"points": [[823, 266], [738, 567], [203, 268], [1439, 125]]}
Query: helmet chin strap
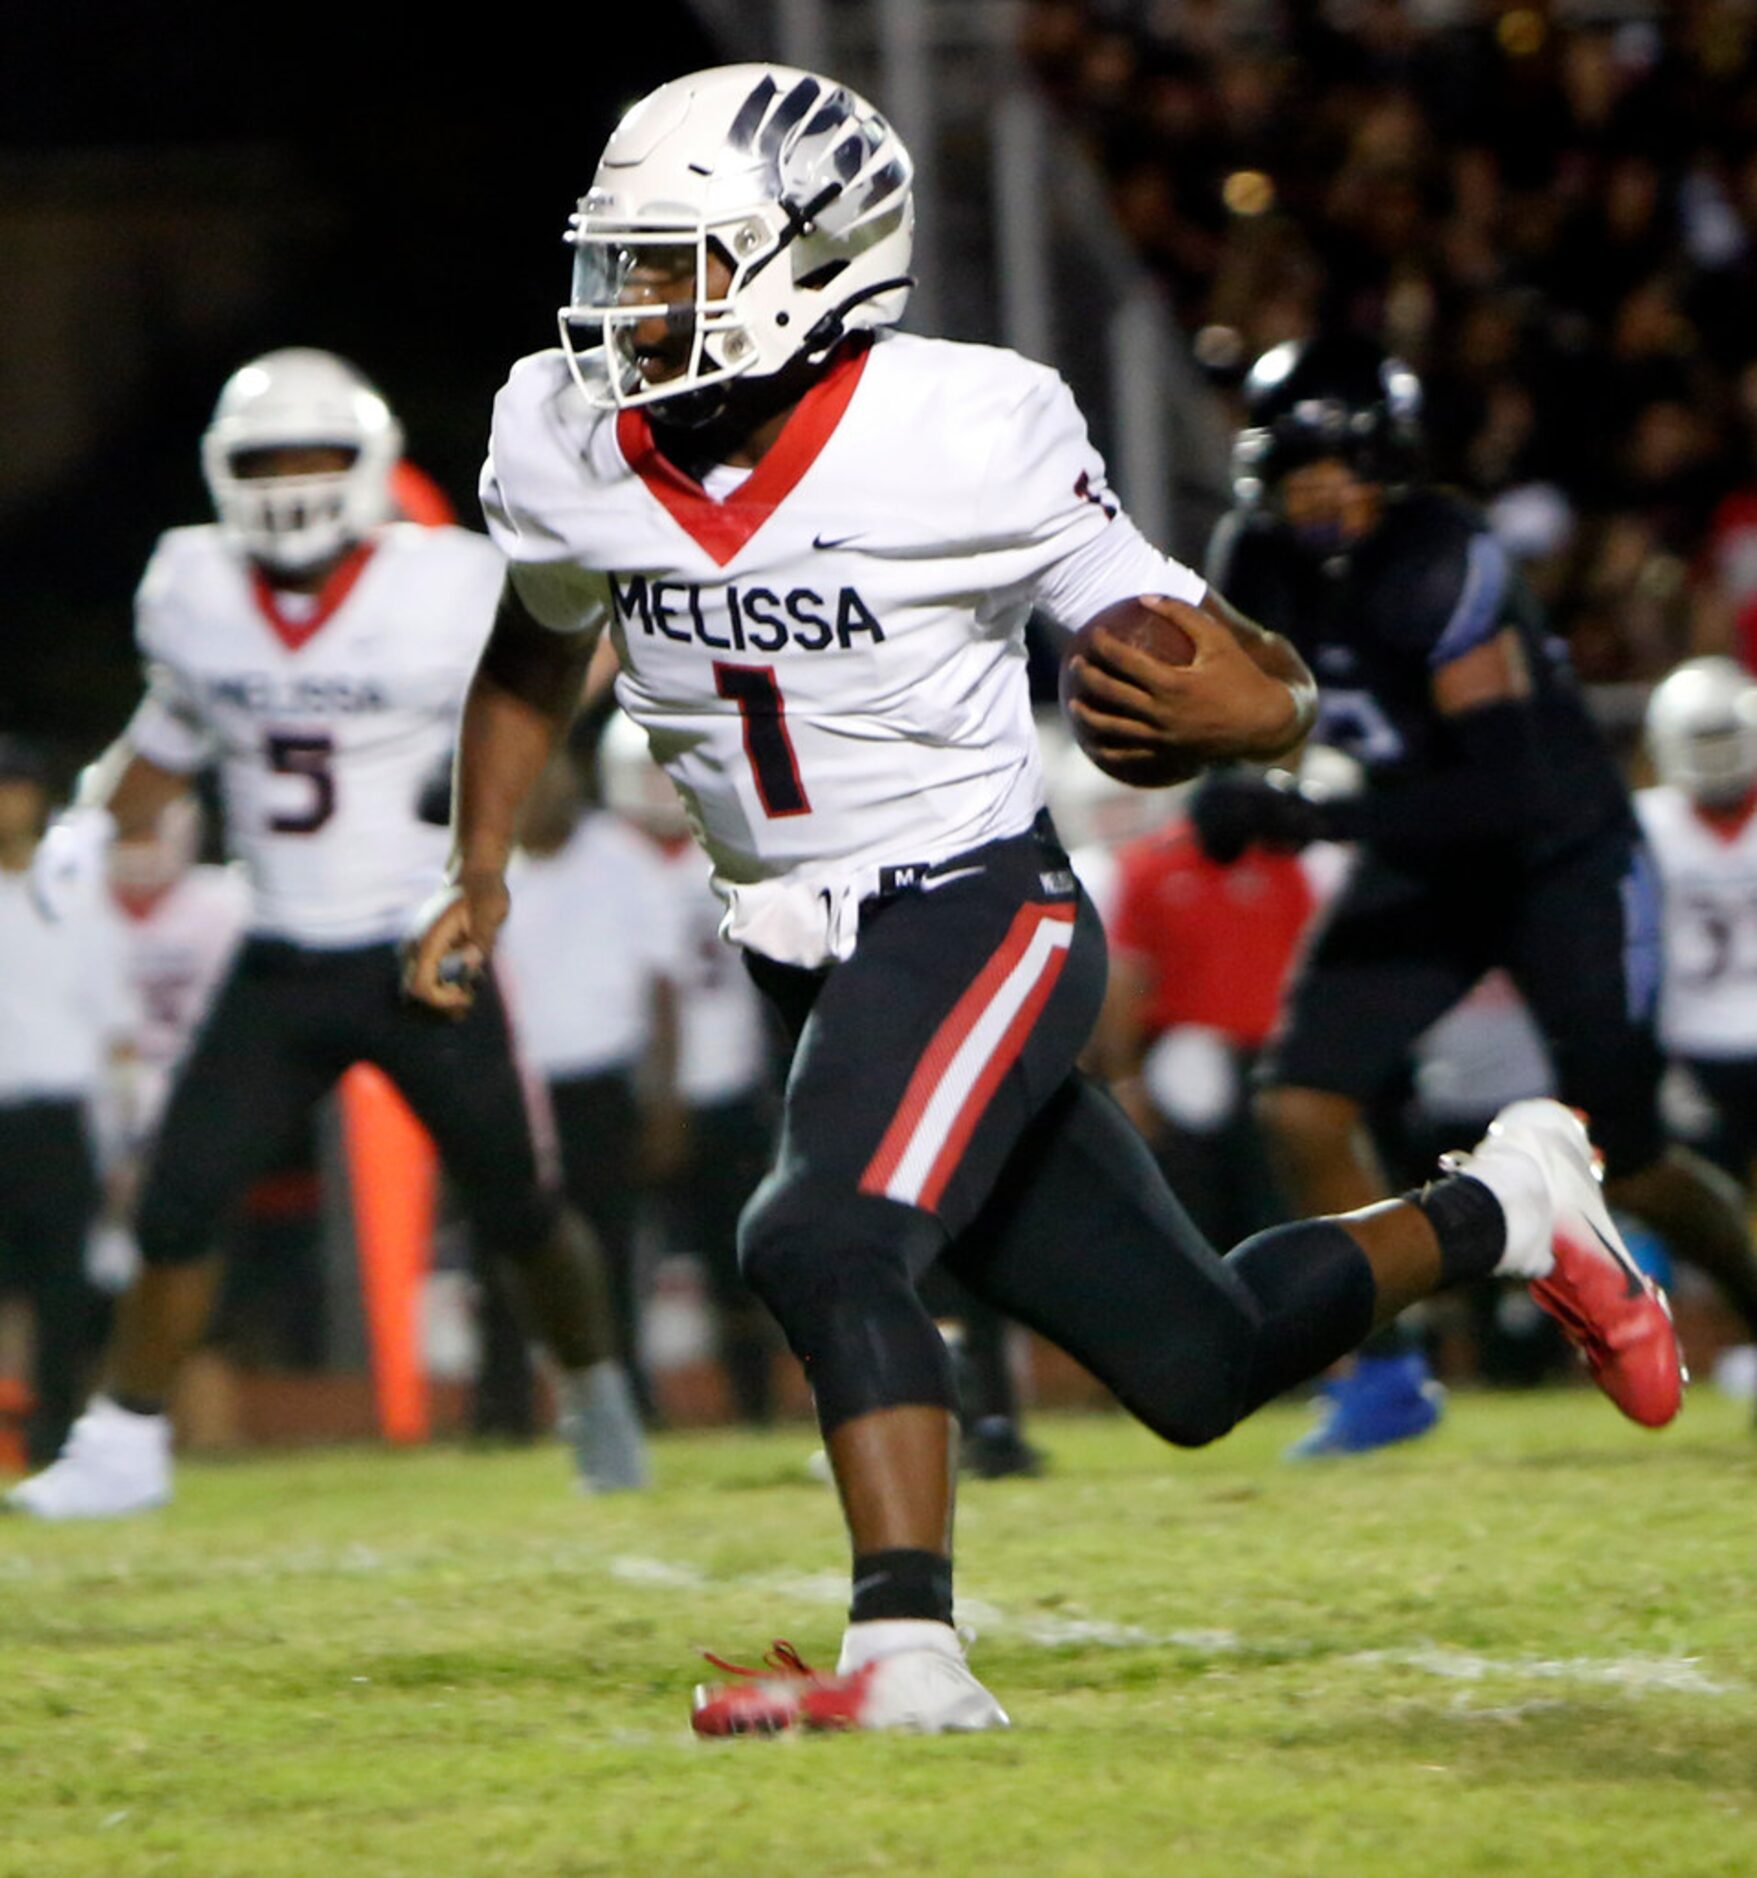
{"points": [[833, 327]]}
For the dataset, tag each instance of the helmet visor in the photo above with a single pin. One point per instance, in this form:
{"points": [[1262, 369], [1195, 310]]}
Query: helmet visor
{"points": [[648, 297], [642, 297]]}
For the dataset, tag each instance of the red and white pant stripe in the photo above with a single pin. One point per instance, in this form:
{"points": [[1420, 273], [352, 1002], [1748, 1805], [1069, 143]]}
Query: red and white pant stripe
{"points": [[971, 1051]]}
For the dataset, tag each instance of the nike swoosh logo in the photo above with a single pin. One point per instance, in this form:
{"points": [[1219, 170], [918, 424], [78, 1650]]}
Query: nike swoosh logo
{"points": [[1631, 1277], [934, 882], [837, 541]]}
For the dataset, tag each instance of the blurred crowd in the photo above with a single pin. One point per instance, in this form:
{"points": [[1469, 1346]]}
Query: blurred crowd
{"points": [[1550, 210]]}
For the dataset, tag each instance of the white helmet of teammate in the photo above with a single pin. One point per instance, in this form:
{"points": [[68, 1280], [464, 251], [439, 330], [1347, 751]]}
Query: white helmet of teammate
{"points": [[300, 397], [633, 785], [1702, 730], [795, 182]]}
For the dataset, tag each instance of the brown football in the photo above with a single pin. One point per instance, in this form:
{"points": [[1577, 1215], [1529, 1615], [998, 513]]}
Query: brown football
{"points": [[1136, 625]]}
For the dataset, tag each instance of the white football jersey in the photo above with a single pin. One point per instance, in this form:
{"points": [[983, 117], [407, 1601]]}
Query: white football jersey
{"points": [[65, 1002], [179, 944], [1708, 1003], [721, 1049], [591, 927], [829, 659], [325, 718]]}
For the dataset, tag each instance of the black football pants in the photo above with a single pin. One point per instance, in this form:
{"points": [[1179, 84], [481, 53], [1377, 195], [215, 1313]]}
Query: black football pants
{"points": [[933, 1111], [286, 1023], [48, 1197]]}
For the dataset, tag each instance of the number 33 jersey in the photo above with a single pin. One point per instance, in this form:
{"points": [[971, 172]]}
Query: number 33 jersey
{"points": [[829, 657], [325, 713], [1708, 1004]]}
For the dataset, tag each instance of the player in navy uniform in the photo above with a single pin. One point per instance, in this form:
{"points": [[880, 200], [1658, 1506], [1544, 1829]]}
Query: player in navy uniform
{"points": [[1493, 828], [815, 544]]}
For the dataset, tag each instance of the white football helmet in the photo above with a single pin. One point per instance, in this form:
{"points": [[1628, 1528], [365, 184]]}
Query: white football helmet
{"points": [[794, 181], [1702, 730], [292, 397]]}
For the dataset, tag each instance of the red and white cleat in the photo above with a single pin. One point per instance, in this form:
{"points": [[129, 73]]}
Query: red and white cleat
{"points": [[926, 1691], [1609, 1309]]}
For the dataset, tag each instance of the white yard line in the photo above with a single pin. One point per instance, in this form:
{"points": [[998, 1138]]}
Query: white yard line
{"points": [[1637, 1674]]}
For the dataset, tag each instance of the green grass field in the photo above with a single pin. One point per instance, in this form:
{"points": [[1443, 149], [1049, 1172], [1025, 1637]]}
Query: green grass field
{"points": [[1528, 1645]]}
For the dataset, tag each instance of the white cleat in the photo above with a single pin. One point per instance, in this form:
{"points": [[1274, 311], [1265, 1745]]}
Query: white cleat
{"points": [[113, 1464], [1580, 1270], [927, 1691]]}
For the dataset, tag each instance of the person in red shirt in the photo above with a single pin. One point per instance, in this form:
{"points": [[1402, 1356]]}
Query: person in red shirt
{"points": [[1200, 953]]}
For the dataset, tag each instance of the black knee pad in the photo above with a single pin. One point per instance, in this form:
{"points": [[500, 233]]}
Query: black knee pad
{"points": [[837, 1270], [1207, 1394]]}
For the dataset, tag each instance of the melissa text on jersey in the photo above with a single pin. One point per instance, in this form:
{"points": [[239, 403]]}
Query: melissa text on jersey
{"points": [[755, 618], [328, 694]]}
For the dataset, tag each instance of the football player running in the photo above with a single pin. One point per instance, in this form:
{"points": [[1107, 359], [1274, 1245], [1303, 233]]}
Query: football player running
{"points": [[317, 654], [1493, 829], [815, 543]]}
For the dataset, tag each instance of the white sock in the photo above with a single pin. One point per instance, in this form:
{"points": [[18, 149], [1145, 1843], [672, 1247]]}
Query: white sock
{"points": [[106, 1407], [1517, 1182], [888, 1636]]}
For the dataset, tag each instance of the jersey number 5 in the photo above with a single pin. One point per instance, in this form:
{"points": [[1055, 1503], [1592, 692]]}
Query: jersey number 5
{"points": [[766, 743], [309, 757]]}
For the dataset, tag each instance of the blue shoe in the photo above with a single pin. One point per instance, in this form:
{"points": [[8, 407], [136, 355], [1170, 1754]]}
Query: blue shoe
{"points": [[1383, 1399]]}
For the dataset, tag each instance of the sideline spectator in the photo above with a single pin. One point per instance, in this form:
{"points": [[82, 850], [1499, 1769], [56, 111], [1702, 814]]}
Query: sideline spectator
{"points": [[66, 1020], [593, 948], [723, 1071], [1549, 212]]}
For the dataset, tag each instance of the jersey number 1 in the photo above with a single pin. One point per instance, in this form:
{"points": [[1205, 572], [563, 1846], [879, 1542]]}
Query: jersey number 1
{"points": [[766, 743], [308, 757]]}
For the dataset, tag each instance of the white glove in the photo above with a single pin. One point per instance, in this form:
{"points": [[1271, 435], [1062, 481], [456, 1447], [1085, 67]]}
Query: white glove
{"points": [[69, 861]]}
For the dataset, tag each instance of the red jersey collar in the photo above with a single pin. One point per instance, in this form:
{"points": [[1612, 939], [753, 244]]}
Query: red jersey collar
{"points": [[1727, 823], [721, 528], [293, 633]]}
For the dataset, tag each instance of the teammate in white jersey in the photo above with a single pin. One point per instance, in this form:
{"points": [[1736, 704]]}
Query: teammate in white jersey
{"points": [[723, 1075], [66, 1030], [593, 954], [1700, 821], [317, 655], [815, 543]]}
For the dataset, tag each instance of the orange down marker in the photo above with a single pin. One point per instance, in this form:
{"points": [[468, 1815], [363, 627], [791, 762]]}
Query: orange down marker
{"points": [[392, 1172]]}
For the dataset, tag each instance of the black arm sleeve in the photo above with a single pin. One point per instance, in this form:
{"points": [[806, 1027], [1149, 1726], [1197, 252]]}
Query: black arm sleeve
{"points": [[1490, 791]]}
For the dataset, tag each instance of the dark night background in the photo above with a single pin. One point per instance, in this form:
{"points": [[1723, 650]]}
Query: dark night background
{"points": [[185, 184]]}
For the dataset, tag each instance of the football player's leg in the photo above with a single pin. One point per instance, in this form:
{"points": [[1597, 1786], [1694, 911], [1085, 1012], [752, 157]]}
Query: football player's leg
{"points": [[1587, 958], [462, 1079], [46, 1229], [249, 1083], [918, 1063], [1083, 1241], [731, 1143], [1392, 955], [992, 1444], [597, 1131]]}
